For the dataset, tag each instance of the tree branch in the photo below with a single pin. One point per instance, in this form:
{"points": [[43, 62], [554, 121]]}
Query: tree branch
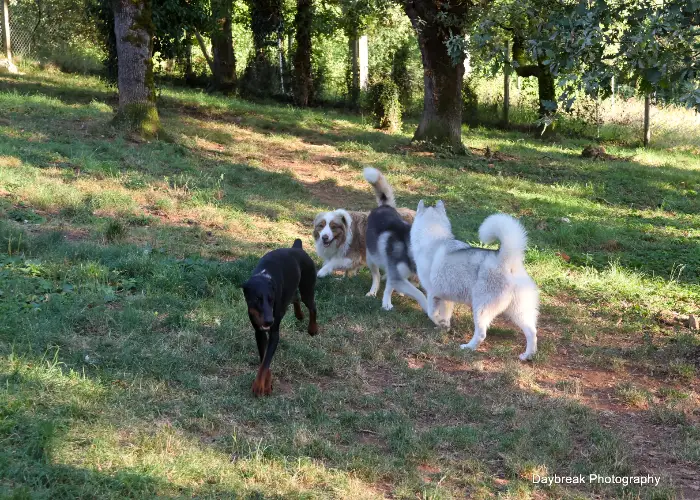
{"points": [[202, 46]]}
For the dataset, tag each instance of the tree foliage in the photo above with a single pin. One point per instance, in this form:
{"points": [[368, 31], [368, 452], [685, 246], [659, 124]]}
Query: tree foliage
{"points": [[650, 45]]}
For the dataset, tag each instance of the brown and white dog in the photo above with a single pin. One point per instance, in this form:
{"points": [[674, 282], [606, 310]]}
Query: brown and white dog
{"points": [[340, 239]]}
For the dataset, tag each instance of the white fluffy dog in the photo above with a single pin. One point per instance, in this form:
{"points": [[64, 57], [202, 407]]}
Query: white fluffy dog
{"points": [[491, 281]]}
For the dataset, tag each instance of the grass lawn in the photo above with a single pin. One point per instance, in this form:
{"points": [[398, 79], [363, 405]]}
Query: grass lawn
{"points": [[127, 358]]}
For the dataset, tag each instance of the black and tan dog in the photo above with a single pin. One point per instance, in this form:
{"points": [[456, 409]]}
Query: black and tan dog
{"points": [[282, 276]]}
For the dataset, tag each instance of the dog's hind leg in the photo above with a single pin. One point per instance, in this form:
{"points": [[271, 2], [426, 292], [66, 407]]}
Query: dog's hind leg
{"points": [[526, 320], [298, 313], [374, 269], [484, 313], [307, 285], [405, 286], [481, 323]]}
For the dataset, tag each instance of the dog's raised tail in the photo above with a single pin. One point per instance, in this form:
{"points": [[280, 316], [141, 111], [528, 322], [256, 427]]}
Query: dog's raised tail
{"points": [[297, 243], [382, 189], [509, 232]]}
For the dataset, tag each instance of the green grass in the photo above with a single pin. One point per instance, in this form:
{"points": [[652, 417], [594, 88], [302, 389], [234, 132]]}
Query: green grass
{"points": [[126, 356]]}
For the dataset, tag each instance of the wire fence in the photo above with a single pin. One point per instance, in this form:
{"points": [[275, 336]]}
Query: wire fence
{"points": [[23, 32]]}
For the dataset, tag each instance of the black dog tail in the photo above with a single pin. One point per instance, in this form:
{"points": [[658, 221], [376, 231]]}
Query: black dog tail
{"points": [[297, 243]]}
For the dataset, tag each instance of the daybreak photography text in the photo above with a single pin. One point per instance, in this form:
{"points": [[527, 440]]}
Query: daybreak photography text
{"points": [[597, 479]]}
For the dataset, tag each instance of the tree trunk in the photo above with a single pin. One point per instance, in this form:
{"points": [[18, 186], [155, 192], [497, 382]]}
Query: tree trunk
{"points": [[506, 88], [547, 99], [303, 82], [134, 36], [224, 58], [647, 121], [546, 92], [441, 122], [188, 70]]}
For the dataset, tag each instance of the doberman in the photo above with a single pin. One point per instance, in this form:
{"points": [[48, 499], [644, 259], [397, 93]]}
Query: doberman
{"points": [[268, 292]]}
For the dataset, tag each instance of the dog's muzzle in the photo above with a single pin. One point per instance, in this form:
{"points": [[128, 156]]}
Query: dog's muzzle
{"points": [[327, 242]]}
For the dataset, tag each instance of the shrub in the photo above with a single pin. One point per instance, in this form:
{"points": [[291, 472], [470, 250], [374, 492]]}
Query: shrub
{"points": [[401, 75], [384, 106], [470, 103], [115, 231], [260, 79]]}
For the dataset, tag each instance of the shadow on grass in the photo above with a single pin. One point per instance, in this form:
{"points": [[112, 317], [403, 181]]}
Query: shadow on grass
{"points": [[29, 436], [276, 195], [57, 89]]}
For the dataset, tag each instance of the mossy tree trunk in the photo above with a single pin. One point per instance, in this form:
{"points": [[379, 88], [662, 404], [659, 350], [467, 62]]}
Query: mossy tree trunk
{"points": [[303, 82], [441, 122], [133, 28], [223, 55], [546, 94]]}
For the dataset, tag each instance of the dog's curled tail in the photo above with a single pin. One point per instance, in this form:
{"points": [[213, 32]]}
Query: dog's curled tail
{"points": [[509, 232], [297, 243], [382, 189]]}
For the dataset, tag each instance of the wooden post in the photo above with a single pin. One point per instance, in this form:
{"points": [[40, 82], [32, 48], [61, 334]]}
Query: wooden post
{"points": [[612, 89], [506, 87], [280, 51], [6, 30], [647, 128], [363, 55]]}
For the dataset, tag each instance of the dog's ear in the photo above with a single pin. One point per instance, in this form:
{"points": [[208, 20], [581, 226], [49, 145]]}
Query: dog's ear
{"points": [[441, 206], [347, 218], [421, 207]]}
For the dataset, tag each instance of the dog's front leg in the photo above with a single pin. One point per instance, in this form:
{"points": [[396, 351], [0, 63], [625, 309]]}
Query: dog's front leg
{"points": [[262, 386], [327, 269], [446, 309], [261, 340], [433, 308]]}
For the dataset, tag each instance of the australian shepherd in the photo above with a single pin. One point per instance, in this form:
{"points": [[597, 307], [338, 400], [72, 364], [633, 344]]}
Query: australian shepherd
{"points": [[340, 238]]}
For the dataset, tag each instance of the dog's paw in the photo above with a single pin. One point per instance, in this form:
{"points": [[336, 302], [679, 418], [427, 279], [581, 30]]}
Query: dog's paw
{"points": [[313, 329], [371, 294], [262, 385], [322, 274], [387, 307], [525, 356], [471, 346], [443, 324], [267, 389]]}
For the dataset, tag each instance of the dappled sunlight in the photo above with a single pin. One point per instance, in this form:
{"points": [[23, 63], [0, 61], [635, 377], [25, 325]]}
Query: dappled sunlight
{"points": [[134, 444], [126, 355], [10, 162]]}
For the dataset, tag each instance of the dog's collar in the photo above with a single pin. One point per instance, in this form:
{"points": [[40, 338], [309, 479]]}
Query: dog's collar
{"points": [[264, 274]]}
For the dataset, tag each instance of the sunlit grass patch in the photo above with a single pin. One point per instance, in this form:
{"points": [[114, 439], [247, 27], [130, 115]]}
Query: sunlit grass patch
{"points": [[126, 355]]}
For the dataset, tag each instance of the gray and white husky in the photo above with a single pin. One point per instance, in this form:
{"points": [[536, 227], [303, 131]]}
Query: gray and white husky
{"points": [[389, 244], [491, 281]]}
